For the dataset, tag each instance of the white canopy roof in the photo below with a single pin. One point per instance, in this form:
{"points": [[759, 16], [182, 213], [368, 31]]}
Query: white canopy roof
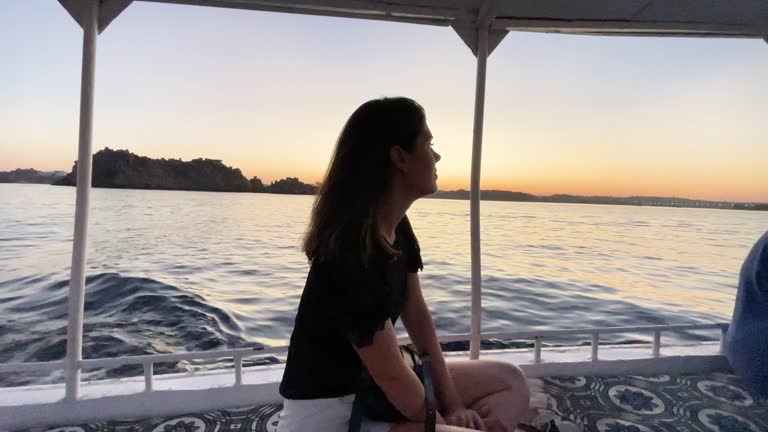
{"points": [[697, 18], [723, 18]]}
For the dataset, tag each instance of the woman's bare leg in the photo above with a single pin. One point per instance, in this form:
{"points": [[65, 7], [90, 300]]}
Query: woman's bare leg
{"points": [[498, 387]]}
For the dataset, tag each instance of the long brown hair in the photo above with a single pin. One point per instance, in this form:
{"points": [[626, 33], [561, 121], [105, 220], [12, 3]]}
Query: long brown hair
{"points": [[343, 223]]}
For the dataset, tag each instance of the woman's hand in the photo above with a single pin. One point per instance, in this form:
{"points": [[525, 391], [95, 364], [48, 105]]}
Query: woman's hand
{"points": [[464, 417], [492, 424], [439, 419]]}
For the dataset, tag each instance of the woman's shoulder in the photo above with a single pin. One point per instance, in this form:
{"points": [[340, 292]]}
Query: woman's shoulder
{"points": [[405, 224], [410, 245], [405, 230], [406, 233]]}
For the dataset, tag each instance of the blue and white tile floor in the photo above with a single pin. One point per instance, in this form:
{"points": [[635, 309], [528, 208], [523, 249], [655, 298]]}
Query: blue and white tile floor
{"points": [[664, 403]]}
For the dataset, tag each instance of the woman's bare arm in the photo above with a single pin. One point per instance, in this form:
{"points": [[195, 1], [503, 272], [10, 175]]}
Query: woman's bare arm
{"points": [[399, 383], [418, 321]]}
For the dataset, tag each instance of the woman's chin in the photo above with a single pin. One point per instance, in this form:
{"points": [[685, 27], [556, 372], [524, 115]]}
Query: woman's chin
{"points": [[425, 192]]}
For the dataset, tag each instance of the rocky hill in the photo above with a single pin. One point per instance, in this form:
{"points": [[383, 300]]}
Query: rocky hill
{"points": [[125, 170], [31, 176], [292, 185]]}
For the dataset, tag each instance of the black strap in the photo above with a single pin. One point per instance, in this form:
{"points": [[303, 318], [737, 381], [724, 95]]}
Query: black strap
{"points": [[430, 403], [356, 419]]}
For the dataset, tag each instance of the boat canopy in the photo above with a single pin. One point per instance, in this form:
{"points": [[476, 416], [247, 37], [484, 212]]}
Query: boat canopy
{"points": [[481, 24], [741, 18], [658, 18]]}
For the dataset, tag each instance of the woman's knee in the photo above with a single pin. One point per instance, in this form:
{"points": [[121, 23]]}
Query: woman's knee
{"points": [[510, 374]]}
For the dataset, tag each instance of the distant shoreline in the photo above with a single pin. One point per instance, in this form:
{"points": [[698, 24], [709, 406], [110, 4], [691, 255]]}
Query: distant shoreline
{"points": [[446, 196], [640, 201], [121, 169]]}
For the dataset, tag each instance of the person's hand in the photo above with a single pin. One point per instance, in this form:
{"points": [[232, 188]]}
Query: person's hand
{"points": [[466, 418], [439, 418], [492, 424]]}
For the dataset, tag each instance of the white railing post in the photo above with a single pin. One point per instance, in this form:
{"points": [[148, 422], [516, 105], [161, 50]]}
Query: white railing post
{"points": [[238, 370], [149, 370], [537, 349], [474, 195], [84, 159], [657, 343], [595, 343], [723, 333]]}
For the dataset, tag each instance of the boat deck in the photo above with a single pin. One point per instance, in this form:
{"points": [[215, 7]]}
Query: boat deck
{"points": [[716, 402], [664, 403]]}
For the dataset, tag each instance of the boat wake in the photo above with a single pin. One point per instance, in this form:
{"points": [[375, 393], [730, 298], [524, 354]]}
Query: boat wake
{"points": [[124, 316]]}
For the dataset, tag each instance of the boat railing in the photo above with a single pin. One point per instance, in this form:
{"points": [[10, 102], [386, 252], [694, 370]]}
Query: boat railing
{"points": [[148, 361]]}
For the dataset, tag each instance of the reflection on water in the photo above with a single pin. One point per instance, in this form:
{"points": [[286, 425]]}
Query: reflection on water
{"points": [[171, 271]]}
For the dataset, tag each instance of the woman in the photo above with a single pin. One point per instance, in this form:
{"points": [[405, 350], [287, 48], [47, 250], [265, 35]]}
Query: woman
{"points": [[364, 275]]}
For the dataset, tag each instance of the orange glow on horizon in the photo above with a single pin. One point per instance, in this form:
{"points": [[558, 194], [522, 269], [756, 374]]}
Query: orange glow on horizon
{"points": [[732, 185], [571, 185], [617, 188]]}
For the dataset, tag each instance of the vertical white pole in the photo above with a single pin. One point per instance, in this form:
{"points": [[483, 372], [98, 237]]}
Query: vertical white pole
{"points": [[474, 195], [84, 158]]}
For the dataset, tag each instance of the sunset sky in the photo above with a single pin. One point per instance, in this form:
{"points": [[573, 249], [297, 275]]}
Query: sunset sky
{"points": [[268, 93]]}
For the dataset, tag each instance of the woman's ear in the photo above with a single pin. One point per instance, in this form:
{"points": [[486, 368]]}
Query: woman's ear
{"points": [[399, 158]]}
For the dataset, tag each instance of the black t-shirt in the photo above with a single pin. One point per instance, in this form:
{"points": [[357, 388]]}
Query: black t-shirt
{"points": [[345, 304]]}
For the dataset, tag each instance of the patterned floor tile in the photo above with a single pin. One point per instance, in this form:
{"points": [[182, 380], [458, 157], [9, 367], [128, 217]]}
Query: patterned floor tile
{"points": [[684, 403]]}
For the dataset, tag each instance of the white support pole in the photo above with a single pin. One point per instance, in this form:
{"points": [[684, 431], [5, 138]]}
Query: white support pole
{"points": [[474, 195], [84, 159]]}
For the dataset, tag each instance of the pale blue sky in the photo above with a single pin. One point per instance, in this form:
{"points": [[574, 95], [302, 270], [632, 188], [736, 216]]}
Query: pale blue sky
{"points": [[268, 93]]}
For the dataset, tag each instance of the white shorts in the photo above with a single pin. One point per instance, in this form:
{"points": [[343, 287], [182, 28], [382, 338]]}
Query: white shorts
{"points": [[323, 415]]}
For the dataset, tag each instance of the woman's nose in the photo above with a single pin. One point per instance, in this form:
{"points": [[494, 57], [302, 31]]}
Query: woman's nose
{"points": [[437, 156]]}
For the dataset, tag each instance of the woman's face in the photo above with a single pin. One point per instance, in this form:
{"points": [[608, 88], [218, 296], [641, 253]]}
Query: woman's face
{"points": [[421, 172]]}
